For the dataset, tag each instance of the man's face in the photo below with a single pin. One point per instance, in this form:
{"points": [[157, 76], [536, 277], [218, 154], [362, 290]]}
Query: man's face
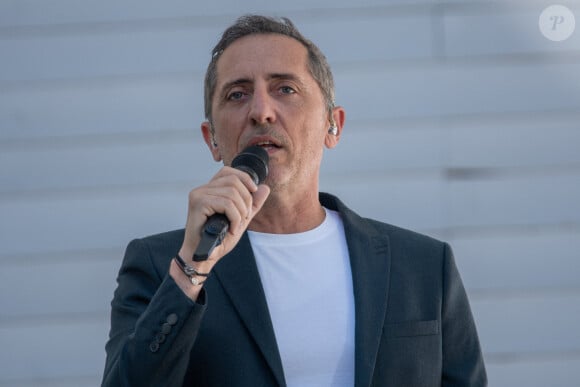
{"points": [[265, 95]]}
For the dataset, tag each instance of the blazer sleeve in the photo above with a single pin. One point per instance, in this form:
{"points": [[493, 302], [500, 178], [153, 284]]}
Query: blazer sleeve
{"points": [[153, 324], [463, 363]]}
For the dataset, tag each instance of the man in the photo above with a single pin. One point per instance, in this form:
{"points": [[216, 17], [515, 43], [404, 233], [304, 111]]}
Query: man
{"points": [[302, 291]]}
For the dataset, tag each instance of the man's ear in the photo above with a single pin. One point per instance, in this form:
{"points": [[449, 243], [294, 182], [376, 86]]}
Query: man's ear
{"points": [[333, 136], [209, 138]]}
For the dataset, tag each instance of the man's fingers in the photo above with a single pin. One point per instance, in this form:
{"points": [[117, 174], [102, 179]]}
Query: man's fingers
{"points": [[260, 197]]}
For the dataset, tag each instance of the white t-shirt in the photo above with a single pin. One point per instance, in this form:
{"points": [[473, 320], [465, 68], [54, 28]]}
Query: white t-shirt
{"points": [[308, 284]]}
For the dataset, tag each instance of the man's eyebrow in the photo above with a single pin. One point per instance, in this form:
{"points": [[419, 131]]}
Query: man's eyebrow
{"points": [[288, 76], [273, 76], [299, 81], [235, 82]]}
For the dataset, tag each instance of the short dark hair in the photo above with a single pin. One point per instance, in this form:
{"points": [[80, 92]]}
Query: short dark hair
{"points": [[256, 24]]}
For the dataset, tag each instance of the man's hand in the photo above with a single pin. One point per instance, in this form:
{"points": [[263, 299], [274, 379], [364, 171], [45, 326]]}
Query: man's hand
{"points": [[231, 192]]}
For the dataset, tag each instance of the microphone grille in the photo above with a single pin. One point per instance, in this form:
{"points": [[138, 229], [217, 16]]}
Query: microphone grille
{"points": [[254, 161]]}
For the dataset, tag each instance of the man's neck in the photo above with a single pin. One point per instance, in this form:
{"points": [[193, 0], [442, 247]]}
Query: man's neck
{"points": [[287, 215]]}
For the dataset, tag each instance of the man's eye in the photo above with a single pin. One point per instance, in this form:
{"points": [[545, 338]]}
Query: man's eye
{"points": [[236, 95], [287, 90]]}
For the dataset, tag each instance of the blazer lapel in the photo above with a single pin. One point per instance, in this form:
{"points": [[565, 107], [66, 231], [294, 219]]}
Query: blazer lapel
{"points": [[241, 281], [370, 264]]}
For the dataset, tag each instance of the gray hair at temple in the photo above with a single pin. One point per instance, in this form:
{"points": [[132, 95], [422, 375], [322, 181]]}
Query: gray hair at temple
{"points": [[256, 24]]}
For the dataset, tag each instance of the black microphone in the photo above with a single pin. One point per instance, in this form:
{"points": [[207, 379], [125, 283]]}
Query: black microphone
{"points": [[254, 161]]}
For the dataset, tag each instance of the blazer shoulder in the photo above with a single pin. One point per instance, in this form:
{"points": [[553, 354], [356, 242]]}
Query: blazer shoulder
{"points": [[408, 250], [158, 248], [400, 235], [377, 229], [162, 241], [411, 235]]}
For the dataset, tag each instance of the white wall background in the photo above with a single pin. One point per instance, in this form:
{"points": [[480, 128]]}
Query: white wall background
{"points": [[463, 122]]}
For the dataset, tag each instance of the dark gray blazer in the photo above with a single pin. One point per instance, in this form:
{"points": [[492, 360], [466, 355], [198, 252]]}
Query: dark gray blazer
{"points": [[414, 326]]}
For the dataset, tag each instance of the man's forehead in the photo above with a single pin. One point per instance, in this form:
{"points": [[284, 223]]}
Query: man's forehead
{"points": [[263, 54], [263, 39]]}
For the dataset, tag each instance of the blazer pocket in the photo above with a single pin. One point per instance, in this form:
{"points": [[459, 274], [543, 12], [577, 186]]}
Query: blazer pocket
{"points": [[412, 328]]}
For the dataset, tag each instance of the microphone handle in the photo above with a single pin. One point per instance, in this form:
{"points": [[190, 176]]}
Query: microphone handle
{"points": [[214, 231]]}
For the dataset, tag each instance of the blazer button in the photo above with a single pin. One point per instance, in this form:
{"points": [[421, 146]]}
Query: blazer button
{"points": [[172, 319], [165, 328], [160, 338], [154, 346]]}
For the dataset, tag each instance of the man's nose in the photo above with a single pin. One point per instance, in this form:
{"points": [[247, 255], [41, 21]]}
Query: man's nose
{"points": [[262, 108]]}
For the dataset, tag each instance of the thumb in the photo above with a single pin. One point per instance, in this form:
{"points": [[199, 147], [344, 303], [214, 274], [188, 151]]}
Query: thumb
{"points": [[260, 197]]}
